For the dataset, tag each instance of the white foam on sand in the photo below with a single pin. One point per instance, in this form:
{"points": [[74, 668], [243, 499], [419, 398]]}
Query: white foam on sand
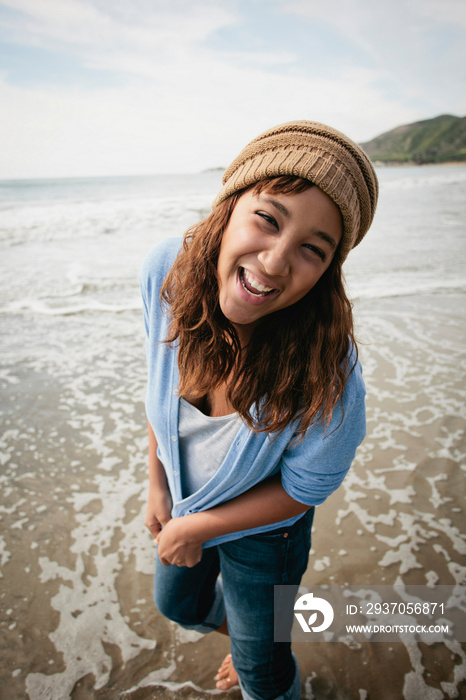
{"points": [[90, 612], [406, 427], [73, 448]]}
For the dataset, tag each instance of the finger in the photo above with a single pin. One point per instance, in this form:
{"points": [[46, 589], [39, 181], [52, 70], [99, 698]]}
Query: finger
{"points": [[192, 562], [154, 529]]}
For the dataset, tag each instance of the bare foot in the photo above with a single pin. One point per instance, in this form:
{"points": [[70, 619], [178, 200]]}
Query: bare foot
{"points": [[226, 675]]}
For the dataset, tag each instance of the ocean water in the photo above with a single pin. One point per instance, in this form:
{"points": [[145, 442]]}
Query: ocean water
{"points": [[71, 246], [76, 563]]}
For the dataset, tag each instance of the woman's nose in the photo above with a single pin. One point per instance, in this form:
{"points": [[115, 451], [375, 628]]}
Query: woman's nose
{"points": [[275, 258]]}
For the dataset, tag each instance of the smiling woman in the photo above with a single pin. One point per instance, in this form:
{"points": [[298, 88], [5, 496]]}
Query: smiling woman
{"points": [[273, 251], [249, 326]]}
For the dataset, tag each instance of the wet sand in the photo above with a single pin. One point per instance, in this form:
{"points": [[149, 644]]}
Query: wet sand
{"points": [[76, 562]]}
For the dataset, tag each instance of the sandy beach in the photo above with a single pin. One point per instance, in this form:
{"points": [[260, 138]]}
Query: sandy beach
{"points": [[76, 562], [76, 571]]}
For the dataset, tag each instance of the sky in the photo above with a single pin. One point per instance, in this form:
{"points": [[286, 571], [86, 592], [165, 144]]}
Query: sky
{"points": [[140, 87]]}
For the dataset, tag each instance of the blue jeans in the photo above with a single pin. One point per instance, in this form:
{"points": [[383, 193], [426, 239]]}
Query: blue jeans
{"points": [[250, 567]]}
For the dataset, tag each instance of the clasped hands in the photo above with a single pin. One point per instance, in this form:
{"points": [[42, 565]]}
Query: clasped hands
{"points": [[173, 536], [175, 545]]}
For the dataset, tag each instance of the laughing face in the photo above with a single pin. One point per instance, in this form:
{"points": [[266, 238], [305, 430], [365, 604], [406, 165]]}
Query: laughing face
{"points": [[274, 250]]}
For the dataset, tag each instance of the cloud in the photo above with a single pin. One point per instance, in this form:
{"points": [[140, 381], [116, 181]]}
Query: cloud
{"points": [[184, 99], [413, 46], [100, 31], [176, 126]]}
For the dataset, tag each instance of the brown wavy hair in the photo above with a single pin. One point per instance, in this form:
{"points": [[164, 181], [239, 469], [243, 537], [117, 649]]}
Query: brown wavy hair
{"points": [[298, 359]]}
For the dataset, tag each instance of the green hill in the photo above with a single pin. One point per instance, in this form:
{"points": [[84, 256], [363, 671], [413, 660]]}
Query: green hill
{"points": [[437, 140]]}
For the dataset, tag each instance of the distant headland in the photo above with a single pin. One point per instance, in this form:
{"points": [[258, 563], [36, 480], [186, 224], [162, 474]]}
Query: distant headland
{"points": [[438, 140]]}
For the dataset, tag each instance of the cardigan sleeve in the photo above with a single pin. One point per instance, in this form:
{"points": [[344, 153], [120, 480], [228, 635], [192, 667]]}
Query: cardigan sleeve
{"points": [[315, 467], [154, 269]]}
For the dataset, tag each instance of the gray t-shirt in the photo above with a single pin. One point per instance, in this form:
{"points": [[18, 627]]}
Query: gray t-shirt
{"points": [[204, 442]]}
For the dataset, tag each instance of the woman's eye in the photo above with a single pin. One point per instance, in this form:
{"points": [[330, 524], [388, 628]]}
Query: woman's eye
{"points": [[268, 218], [315, 250]]}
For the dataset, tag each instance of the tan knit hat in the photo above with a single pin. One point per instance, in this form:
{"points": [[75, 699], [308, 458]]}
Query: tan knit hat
{"points": [[317, 153]]}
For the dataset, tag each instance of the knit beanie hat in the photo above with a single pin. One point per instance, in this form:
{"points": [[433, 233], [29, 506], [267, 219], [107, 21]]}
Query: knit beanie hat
{"points": [[320, 154]]}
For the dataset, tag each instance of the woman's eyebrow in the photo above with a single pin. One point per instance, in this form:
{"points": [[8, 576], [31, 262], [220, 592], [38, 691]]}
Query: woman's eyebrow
{"points": [[327, 238], [278, 205]]}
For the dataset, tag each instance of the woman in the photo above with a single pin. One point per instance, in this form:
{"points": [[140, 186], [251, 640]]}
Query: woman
{"points": [[255, 399]]}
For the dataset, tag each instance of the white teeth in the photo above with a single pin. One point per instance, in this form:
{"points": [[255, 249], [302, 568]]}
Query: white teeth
{"points": [[257, 285]]}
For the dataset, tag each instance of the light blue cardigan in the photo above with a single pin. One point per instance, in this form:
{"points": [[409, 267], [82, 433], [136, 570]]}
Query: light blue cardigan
{"points": [[310, 470]]}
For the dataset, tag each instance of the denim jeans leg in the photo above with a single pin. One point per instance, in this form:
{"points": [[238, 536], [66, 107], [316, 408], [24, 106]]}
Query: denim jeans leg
{"points": [[293, 692], [192, 597], [251, 567]]}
